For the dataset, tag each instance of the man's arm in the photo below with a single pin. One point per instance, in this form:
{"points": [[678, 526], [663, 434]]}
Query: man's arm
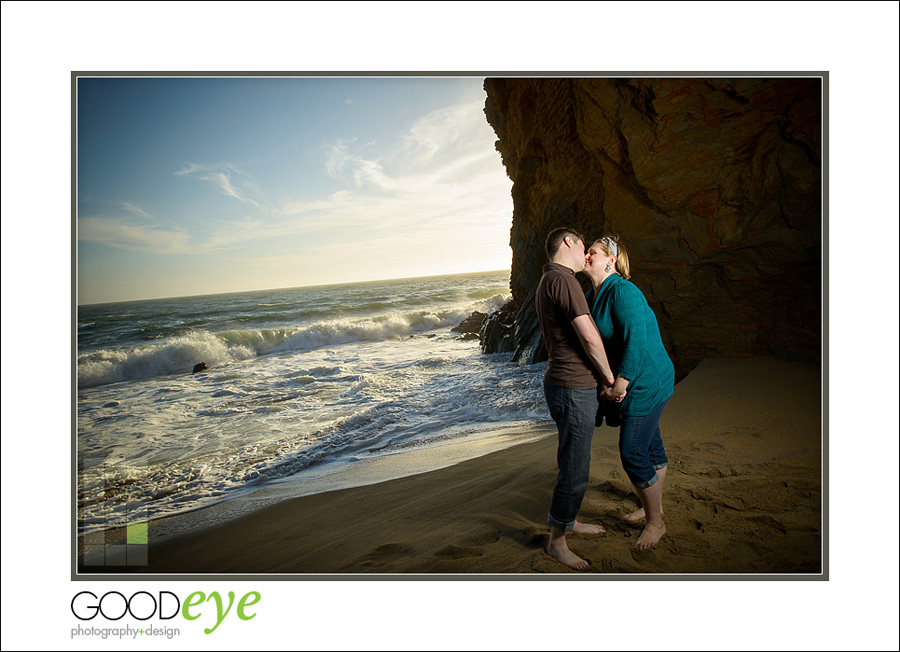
{"points": [[590, 339]]}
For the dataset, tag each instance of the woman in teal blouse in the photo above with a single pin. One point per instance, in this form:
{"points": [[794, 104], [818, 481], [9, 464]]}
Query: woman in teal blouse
{"points": [[640, 363]]}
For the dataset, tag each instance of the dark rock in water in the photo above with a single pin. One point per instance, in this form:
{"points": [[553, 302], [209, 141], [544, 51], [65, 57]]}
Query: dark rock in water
{"points": [[200, 366], [471, 324], [497, 331], [713, 185]]}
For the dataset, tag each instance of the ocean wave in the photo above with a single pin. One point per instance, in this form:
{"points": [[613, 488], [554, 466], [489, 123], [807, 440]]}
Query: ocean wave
{"points": [[212, 445], [178, 354]]}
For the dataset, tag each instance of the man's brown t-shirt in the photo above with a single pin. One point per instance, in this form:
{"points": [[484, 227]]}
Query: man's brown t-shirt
{"points": [[558, 300]]}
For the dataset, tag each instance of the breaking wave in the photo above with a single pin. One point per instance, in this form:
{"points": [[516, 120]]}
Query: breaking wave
{"points": [[178, 354]]}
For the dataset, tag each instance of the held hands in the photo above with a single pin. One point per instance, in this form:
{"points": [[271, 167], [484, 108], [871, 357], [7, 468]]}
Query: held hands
{"points": [[616, 392]]}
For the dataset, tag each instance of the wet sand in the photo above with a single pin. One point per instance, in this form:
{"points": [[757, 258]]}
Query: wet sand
{"points": [[743, 495]]}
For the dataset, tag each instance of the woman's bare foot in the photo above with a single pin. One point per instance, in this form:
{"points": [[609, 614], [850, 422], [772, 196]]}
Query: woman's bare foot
{"points": [[638, 515], [588, 528], [559, 550], [650, 535]]}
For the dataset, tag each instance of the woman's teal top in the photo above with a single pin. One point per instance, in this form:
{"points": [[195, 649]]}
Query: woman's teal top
{"points": [[633, 344]]}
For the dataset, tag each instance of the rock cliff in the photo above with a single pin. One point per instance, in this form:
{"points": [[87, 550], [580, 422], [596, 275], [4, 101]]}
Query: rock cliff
{"points": [[713, 185]]}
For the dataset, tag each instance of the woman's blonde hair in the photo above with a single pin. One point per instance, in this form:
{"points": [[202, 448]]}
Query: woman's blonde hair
{"points": [[612, 247]]}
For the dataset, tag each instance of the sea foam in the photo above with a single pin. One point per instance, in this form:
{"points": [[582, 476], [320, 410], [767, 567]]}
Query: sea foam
{"points": [[296, 378], [179, 354]]}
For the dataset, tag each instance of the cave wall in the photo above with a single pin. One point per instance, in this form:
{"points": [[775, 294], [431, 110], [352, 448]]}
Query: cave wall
{"points": [[714, 186]]}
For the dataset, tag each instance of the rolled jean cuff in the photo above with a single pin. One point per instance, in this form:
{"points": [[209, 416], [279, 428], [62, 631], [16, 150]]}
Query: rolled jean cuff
{"points": [[565, 527], [648, 483], [660, 466]]}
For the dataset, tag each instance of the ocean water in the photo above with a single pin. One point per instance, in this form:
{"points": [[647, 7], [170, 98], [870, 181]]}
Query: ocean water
{"points": [[297, 379]]}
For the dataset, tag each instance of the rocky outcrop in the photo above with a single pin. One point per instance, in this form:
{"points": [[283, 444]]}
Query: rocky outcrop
{"points": [[470, 327], [713, 185]]}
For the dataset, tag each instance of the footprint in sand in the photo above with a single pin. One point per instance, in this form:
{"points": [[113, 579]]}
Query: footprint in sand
{"points": [[459, 552], [387, 553], [608, 488]]}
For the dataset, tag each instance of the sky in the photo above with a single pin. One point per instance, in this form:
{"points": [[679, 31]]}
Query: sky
{"points": [[204, 185]]}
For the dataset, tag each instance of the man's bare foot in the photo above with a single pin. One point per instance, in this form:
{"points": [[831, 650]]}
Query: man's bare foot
{"points": [[638, 515], [650, 536], [559, 550], [588, 528]]}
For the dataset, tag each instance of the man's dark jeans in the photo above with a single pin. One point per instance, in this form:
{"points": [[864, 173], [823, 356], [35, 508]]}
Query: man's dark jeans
{"points": [[574, 411]]}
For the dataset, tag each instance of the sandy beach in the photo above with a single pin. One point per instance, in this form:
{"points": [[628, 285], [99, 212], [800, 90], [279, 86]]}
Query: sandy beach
{"points": [[743, 495]]}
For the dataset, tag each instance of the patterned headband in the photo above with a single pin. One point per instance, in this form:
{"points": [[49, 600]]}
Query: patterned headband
{"points": [[612, 245]]}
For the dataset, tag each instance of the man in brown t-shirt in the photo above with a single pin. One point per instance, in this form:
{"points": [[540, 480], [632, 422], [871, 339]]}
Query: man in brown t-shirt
{"points": [[577, 361]]}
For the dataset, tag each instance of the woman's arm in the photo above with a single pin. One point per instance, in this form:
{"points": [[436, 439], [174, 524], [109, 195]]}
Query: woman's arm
{"points": [[627, 312]]}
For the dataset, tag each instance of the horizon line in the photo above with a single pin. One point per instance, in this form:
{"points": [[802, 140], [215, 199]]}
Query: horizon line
{"points": [[286, 287]]}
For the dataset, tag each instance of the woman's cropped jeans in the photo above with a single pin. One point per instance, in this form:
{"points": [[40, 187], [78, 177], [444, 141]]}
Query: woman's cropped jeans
{"points": [[574, 411], [641, 448]]}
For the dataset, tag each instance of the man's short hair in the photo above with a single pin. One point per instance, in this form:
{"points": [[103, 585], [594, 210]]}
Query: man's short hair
{"points": [[555, 239]]}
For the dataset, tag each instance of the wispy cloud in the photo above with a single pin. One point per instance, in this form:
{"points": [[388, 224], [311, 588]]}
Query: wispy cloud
{"points": [[191, 168], [154, 239], [354, 167], [135, 237], [224, 182], [444, 133], [221, 175], [436, 182], [441, 173], [134, 209], [444, 147]]}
